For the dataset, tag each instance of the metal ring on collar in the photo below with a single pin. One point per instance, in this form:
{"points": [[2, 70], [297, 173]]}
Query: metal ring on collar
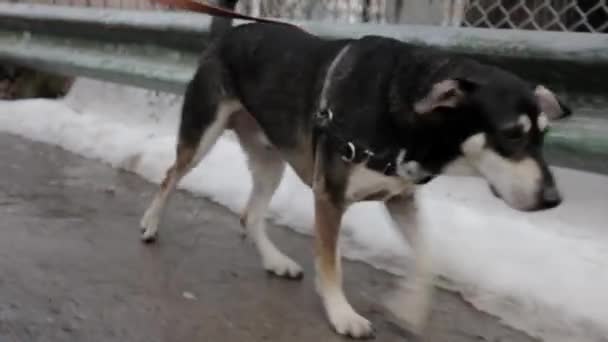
{"points": [[352, 151], [324, 117], [387, 168]]}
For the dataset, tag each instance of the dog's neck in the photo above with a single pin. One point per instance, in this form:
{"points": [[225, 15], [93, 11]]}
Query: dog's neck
{"points": [[362, 131]]}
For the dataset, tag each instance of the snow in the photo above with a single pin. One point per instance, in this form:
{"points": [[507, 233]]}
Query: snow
{"points": [[545, 273]]}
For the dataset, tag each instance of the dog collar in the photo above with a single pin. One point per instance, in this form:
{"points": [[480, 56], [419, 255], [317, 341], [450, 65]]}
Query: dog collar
{"points": [[390, 161]]}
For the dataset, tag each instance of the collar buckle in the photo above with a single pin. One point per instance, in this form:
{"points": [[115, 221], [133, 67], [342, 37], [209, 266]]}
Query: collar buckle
{"points": [[351, 152], [324, 117]]}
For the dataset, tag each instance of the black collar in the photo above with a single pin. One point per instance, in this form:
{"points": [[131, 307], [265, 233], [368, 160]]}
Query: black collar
{"points": [[390, 161]]}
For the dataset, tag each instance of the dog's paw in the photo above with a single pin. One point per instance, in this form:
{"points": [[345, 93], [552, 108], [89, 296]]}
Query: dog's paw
{"points": [[413, 317], [149, 236], [282, 266], [349, 323], [411, 306], [149, 228]]}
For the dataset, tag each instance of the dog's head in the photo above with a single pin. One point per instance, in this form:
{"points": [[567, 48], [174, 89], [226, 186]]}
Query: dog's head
{"points": [[495, 128]]}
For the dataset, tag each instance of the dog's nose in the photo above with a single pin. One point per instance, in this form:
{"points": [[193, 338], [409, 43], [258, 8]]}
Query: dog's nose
{"points": [[551, 198]]}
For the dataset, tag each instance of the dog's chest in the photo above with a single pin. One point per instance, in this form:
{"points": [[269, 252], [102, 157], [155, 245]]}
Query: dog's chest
{"points": [[368, 185]]}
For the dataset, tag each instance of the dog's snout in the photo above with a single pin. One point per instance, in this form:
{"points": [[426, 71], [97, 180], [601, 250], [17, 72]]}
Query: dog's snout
{"points": [[550, 197]]}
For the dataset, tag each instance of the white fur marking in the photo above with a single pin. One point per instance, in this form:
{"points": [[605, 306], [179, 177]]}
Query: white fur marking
{"points": [[525, 122], [474, 144], [543, 122], [343, 317], [273, 259], [401, 156], [149, 222], [548, 103], [411, 171], [517, 181], [328, 75]]}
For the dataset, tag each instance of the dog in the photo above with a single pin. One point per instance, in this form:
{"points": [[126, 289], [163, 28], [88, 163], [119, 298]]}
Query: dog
{"points": [[367, 119]]}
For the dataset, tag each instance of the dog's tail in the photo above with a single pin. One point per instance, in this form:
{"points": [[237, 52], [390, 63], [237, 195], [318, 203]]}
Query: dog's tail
{"points": [[223, 13]]}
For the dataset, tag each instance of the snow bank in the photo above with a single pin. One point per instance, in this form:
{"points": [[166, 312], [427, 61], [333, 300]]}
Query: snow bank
{"points": [[545, 273]]}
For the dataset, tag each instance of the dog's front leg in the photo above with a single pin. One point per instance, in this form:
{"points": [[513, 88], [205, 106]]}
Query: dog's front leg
{"points": [[330, 180], [341, 314], [415, 309]]}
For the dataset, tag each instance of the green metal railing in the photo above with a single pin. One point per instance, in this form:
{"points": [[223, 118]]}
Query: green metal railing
{"points": [[158, 50]]}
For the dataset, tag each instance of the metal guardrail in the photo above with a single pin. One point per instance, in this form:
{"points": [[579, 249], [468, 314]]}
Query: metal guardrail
{"points": [[159, 51], [558, 58], [552, 15]]}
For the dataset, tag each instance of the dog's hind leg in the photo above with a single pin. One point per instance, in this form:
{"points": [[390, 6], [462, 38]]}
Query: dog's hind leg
{"points": [[266, 168], [205, 115], [415, 309], [150, 220]]}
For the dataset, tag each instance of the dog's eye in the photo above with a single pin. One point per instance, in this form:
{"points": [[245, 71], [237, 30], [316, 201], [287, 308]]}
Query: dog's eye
{"points": [[514, 133]]}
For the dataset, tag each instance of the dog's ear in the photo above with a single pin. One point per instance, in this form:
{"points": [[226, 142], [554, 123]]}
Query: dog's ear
{"points": [[447, 93], [550, 104]]}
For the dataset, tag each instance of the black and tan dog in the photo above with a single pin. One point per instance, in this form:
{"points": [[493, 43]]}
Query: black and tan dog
{"points": [[361, 119]]}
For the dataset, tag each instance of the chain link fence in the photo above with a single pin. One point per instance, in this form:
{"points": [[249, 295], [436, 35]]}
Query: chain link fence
{"points": [[552, 15], [350, 11]]}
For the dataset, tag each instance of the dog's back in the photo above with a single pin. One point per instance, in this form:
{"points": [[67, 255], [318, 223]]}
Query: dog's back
{"points": [[276, 72]]}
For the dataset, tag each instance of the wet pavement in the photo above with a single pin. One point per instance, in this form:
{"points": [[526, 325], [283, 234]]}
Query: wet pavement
{"points": [[72, 267]]}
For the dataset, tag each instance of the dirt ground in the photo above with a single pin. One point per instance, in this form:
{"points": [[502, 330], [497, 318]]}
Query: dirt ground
{"points": [[72, 267]]}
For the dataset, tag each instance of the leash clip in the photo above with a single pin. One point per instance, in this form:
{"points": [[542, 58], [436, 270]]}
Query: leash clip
{"points": [[324, 117], [352, 152], [368, 154]]}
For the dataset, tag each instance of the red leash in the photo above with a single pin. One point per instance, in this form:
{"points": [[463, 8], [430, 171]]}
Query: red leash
{"points": [[216, 11]]}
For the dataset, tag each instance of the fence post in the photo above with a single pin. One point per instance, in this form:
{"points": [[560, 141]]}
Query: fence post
{"points": [[414, 12]]}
